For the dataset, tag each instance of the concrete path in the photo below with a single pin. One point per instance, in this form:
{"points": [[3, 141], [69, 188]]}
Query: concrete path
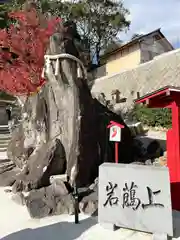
{"points": [[15, 224]]}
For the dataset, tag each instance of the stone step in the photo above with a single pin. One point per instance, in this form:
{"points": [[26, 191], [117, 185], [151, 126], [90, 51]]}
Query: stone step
{"points": [[3, 156], [5, 140], [4, 126], [4, 129], [5, 136], [5, 133], [4, 145], [4, 161], [3, 150]]}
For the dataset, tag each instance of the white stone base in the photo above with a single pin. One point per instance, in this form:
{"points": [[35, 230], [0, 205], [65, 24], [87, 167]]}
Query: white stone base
{"points": [[158, 236]]}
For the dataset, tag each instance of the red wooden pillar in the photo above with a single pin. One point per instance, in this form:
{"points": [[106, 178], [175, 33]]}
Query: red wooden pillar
{"points": [[169, 97], [173, 155]]}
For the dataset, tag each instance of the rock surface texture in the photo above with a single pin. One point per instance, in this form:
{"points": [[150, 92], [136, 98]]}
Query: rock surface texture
{"points": [[63, 130]]}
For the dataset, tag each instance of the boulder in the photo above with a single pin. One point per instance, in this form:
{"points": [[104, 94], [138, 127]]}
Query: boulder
{"points": [[63, 130], [154, 150], [54, 199], [59, 188], [65, 205], [89, 204], [138, 163], [40, 167], [149, 162], [41, 203], [19, 198], [7, 166], [8, 178], [89, 200], [94, 186]]}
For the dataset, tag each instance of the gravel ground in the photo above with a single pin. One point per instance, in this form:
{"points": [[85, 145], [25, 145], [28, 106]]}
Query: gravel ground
{"points": [[17, 225]]}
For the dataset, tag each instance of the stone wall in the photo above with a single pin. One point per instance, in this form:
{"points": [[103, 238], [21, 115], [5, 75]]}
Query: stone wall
{"points": [[161, 71]]}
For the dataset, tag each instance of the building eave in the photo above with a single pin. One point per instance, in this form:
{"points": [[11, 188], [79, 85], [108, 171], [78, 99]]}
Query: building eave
{"points": [[136, 41]]}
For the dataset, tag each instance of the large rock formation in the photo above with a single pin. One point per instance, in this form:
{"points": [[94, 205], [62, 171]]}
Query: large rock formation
{"points": [[63, 129]]}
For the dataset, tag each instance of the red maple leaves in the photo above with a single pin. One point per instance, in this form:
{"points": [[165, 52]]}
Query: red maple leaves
{"points": [[22, 49]]}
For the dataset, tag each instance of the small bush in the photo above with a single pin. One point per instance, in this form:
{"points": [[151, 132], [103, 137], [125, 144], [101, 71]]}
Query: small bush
{"points": [[152, 116]]}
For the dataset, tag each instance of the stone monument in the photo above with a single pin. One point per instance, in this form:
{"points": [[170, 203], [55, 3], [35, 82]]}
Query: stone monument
{"points": [[135, 197]]}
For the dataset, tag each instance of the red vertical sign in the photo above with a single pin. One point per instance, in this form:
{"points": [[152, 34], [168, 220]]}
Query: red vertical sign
{"points": [[115, 136]]}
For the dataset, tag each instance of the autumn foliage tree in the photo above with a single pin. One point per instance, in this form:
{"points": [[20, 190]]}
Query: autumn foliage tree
{"points": [[22, 48]]}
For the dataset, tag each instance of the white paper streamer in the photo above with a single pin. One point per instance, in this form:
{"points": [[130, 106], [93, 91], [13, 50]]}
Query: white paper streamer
{"points": [[57, 67]]}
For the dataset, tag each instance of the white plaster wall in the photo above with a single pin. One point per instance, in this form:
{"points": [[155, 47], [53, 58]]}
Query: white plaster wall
{"points": [[161, 71]]}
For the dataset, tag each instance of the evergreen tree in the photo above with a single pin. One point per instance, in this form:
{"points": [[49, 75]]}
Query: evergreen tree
{"points": [[98, 21]]}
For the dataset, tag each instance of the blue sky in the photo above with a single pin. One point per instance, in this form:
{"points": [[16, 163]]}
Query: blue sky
{"points": [[148, 15]]}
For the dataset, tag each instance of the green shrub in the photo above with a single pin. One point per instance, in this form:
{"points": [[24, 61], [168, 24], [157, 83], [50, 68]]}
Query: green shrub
{"points": [[152, 116]]}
